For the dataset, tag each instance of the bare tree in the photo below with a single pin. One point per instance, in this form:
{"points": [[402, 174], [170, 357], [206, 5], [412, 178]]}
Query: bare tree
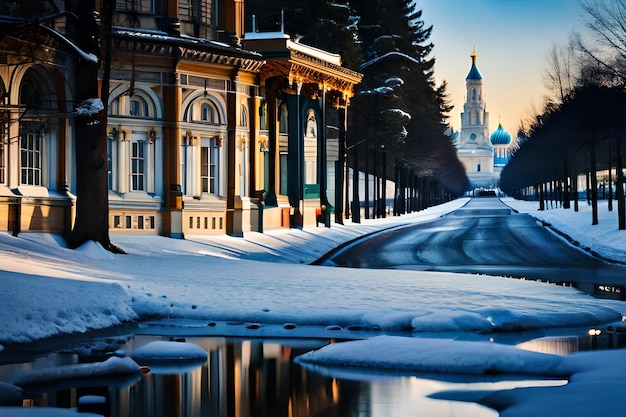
{"points": [[560, 74], [606, 56]]}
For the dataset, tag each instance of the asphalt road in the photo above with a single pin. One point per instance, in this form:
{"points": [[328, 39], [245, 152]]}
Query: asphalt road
{"points": [[485, 236]]}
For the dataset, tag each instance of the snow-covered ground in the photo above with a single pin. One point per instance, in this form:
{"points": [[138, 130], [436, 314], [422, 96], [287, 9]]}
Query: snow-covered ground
{"points": [[265, 280]]}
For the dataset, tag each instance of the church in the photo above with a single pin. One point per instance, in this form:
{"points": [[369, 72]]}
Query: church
{"points": [[482, 155]]}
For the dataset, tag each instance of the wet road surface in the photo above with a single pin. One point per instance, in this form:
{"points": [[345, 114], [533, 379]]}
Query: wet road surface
{"points": [[485, 236]]}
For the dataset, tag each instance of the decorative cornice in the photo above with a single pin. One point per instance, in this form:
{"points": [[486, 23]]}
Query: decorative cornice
{"points": [[188, 48]]}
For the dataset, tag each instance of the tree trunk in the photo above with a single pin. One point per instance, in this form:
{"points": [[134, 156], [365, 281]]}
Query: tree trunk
{"points": [[594, 184], [366, 198], [92, 205], [574, 186], [610, 197], [621, 209], [567, 187]]}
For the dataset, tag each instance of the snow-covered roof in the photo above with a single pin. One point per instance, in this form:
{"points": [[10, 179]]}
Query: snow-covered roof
{"points": [[193, 48], [314, 52]]}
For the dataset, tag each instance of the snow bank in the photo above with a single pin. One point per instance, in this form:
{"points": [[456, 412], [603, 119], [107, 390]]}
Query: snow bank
{"points": [[166, 351], [596, 378], [165, 357], [112, 367], [10, 394], [42, 412], [595, 388], [434, 355], [49, 289], [35, 307]]}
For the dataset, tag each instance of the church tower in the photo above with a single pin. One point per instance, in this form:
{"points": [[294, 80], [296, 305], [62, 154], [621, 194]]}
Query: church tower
{"points": [[475, 118], [474, 148]]}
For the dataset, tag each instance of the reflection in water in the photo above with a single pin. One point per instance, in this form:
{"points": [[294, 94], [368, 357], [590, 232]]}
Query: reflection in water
{"points": [[258, 378]]}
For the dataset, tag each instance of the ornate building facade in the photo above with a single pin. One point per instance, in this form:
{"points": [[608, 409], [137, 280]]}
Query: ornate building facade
{"points": [[210, 130]]}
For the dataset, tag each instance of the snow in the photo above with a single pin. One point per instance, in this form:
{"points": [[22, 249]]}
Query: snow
{"points": [[112, 367], [42, 412], [163, 350], [164, 357], [264, 280], [435, 356], [89, 107]]}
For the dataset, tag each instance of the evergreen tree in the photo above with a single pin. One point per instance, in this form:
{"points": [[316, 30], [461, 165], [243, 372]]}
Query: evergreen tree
{"points": [[396, 46], [324, 24]]}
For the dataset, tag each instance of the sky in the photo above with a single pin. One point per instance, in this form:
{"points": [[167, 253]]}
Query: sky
{"points": [[512, 39], [264, 281]]}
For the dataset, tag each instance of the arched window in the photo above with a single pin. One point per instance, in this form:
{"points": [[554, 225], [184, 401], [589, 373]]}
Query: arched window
{"points": [[30, 95], [207, 113], [244, 116], [114, 107], [139, 106], [32, 144], [203, 110]]}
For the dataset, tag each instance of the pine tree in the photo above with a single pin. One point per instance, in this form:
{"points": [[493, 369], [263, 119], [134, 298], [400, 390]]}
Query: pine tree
{"points": [[324, 24], [396, 46]]}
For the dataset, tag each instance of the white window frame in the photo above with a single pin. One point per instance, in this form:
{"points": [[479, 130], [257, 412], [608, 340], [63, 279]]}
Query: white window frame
{"points": [[210, 166], [31, 158], [138, 165]]}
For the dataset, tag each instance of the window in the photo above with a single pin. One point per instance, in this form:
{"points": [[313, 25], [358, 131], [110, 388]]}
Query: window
{"points": [[202, 110], [2, 165], [137, 159], [30, 158], [202, 11], [139, 106], [110, 162], [473, 136], [114, 107], [283, 117], [263, 115], [3, 138], [478, 168], [30, 95], [141, 6], [283, 173], [244, 116], [209, 167], [207, 113]]}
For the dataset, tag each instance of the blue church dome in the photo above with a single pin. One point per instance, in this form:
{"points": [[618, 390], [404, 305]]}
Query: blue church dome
{"points": [[474, 74], [500, 136]]}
